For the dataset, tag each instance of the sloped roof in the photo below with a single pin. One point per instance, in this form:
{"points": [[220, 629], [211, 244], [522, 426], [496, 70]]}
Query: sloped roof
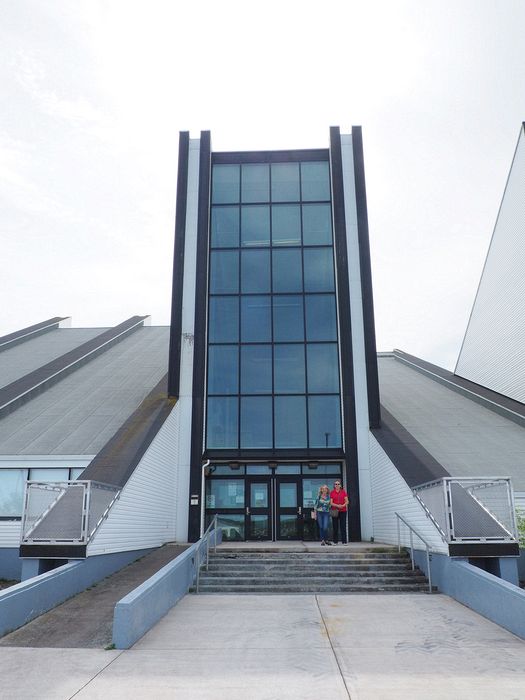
{"points": [[82, 412], [465, 437]]}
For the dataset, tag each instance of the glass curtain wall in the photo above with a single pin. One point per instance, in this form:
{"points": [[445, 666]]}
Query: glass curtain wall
{"points": [[273, 368]]}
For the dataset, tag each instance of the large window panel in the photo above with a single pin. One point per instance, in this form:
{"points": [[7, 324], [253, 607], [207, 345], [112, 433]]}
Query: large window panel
{"points": [[223, 422], [318, 270], [287, 270], [225, 184], [224, 320], [255, 271], [223, 369], [256, 422], [323, 368], [321, 322], [285, 182], [12, 484], [255, 182], [256, 324], [315, 181], [289, 374], [286, 224], [225, 227], [290, 421], [255, 225], [256, 369], [324, 421], [317, 224], [224, 272], [288, 318], [224, 493]]}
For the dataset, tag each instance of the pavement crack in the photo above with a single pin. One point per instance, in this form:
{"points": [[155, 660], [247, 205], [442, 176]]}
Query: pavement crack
{"points": [[332, 647], [96, 675]]}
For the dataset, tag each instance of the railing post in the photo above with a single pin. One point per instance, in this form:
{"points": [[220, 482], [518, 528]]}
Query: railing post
{"points": [[412, 548], [428, 572], [215, 535], [398, 534]]}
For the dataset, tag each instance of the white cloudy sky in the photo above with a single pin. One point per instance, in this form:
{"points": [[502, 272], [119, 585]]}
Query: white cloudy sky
{"points": [[95, 92]]}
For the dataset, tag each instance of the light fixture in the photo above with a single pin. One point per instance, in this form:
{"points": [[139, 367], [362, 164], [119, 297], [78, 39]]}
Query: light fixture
{"points": [[313, 465], [235, 465]]}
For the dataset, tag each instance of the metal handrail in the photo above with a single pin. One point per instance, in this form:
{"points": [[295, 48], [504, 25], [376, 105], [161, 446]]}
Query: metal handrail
{"points": [[413, 532], [205, 541]]}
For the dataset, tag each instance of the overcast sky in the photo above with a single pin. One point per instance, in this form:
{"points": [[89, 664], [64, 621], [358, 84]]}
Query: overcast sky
{"points": [[94, 94]]}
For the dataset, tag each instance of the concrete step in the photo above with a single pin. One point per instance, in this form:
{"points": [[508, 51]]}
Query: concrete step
{"points": [[329, 557], [307, 587], [293, 573]]}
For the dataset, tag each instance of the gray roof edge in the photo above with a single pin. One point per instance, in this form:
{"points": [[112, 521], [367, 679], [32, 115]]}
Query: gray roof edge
{"points": [[497, 403], [21, 336]]}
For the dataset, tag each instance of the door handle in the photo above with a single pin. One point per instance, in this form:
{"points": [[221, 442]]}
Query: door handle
{"points": [[299, 511], [247, 510]]}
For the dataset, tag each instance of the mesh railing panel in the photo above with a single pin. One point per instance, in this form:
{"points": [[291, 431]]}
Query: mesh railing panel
{"points": [[99, 501], [434, 499]]}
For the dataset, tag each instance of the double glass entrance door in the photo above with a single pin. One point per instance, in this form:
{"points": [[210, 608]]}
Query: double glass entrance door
{"points": [[274, 509]]}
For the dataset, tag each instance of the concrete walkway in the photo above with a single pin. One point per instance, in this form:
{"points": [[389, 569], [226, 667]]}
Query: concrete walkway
{"points": [[363, 647]]}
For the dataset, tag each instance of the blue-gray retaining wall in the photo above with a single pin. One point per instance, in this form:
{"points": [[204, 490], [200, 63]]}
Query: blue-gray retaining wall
{"points": [[10, 564], [26, 600], [490, 596], [137, 612]]}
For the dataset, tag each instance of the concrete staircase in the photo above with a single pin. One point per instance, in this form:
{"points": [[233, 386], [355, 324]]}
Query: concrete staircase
{"points": [[331, 570]]}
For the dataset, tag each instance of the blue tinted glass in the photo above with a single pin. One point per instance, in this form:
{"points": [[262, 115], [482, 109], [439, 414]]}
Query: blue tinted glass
{"points": [[255, 319], [285, 182], [324, 421], [290, 421], [255, 225], [318, 270], [223, 369], [226, 184], [256, 421], [320, 317], [289, 376], [225, 227], [286, 224], [222, 422], [255, 271], [288, 321], [255, 183], [323, 368], [317, 224], [224, 272], [224, 320], [287, 270], [315, 181], [256, 369]]}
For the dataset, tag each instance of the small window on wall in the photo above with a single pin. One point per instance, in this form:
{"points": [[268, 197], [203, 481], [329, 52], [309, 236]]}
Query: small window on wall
{"points": [[12, 484]]}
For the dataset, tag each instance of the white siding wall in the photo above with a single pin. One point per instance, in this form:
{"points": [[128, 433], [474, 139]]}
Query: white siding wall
{"points": [[391, 494], [358, 338], [10, 533], [493, 351], [144, 515]]}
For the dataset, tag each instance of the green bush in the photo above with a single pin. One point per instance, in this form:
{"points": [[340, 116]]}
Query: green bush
{"points": [[520, 520]]}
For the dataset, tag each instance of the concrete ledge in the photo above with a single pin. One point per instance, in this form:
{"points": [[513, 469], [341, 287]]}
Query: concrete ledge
{"points": [[490, 596], [26, 600], [137, 612]]}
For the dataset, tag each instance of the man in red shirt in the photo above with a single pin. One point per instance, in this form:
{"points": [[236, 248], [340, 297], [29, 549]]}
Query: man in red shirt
{"points": [[339, 501]]}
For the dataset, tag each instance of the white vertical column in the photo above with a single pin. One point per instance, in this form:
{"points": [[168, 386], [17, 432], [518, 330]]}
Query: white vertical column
{"points": [[358, 338], [186, 364]]}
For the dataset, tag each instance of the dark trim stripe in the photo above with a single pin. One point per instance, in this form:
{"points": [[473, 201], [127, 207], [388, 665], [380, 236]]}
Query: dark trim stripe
{"points": [[53, 551], [27, 387], [117, 460], [372, 380], [265, 455], [411, 459], [17, 337], [345, 334], [498, 403], [233, 157], [199, 346], [178, 265], [490, 549]]}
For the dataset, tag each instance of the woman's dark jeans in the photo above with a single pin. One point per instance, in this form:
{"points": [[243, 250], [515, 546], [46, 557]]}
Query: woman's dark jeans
{"points": [[323, 520], [339, 526]]}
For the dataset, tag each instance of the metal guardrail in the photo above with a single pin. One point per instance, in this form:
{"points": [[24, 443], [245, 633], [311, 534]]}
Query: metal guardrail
{"points": [[65, 512], [470, 509], [204, 545], [413, 532]]}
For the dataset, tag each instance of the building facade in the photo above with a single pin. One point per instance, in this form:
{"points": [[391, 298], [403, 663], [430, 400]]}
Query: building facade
{"points": [[272, 348]]}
